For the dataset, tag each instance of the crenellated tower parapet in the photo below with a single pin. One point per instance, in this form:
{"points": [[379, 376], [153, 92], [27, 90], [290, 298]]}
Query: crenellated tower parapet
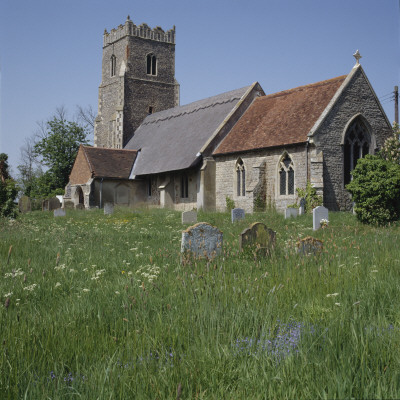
{"points": [[143, 31]]}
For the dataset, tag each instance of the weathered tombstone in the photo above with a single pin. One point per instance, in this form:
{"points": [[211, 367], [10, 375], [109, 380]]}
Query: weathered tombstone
{"points": [[54, 203], [259, 238], [237, 214], [189, 217], [202, 240], [24, 204], [45, 205], [291, 212], [302, 208], [319, 213], [80, 206], [354, 208], [108, 208], [309, 245], [59, 212], [69, 205]]}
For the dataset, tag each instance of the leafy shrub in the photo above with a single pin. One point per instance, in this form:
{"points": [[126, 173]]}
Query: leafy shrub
{"points": [[311, 197], [259, 203], [376, 190], [8, 194], [391, 149], [230, 204]]}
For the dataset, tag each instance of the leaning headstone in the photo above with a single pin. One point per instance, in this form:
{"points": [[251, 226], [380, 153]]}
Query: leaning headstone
{"points": [[24, 204], [108, 208], [189, 217], [59, 212], [291, 212], [54, 203], [237, 214], [202, 240], [309, 245], [45, 205], [259, 238], [319, 213], [302, 208], [80, 206], [69, 205]]}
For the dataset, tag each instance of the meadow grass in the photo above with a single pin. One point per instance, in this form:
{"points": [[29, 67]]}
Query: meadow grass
{"points": [[97, 306]]}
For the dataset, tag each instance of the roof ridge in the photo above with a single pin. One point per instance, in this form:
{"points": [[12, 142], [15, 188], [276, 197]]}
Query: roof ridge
{"points": [[303, 87]]}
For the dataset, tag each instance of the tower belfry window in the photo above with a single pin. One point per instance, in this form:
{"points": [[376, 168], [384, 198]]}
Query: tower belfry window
{"points": [[151, 64], [113, 63]]}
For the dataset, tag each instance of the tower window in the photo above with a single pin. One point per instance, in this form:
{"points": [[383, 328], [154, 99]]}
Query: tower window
{"points": [[240, 178], [151, 64], [286, 176], [356, 146], [150, 110], [113, 63]]}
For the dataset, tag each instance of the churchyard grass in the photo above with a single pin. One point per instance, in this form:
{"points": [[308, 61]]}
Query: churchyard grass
{"points": [[116, 315]]}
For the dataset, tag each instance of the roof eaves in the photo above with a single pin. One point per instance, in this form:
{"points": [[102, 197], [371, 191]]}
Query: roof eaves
{"points": [[227, 118]]}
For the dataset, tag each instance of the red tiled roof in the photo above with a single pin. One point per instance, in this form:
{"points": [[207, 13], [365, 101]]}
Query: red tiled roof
{"points": [[110, 163], [281, 118]]}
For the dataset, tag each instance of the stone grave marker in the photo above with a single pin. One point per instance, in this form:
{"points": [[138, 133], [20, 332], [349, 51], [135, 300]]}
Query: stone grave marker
{"points": [[69, 205], [202, 240], [319, 213], [237, 214], [258, 237], [59, 212], [189, 217], [302, 208], [24, 204], [54, 203], [108, 208], [80, 206], [291, 212], [309, 245]]}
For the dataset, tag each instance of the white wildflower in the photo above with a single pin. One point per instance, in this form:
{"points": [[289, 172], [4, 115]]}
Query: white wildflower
{"points": [[8, 294], [30, 287], [85, 290], [57, 284], [332, 295]]}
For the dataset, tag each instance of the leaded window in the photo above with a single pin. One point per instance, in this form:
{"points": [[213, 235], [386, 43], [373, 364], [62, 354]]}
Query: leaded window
{"points": [[113, 63], [286, 176], [184, 186], [240, 178], [356, 145]]}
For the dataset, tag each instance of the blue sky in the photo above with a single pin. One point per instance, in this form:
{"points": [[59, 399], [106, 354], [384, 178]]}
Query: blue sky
{"points": [[50, 50]]}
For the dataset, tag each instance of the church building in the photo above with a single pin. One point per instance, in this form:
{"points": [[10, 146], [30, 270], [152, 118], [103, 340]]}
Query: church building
{"points": [[252, 147]]}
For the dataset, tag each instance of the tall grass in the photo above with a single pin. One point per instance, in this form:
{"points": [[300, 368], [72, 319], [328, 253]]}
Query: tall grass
{"points": [[101, 307]]}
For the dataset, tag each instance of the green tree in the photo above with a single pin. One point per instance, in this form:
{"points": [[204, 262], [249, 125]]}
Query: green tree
{"points": [[8, 190], [57, 149]]}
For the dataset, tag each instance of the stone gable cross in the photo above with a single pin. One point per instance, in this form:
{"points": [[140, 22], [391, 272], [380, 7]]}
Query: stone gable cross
{"points": [[357, 56]]}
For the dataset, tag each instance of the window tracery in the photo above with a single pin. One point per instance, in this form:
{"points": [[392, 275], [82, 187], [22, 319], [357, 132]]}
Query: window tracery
{"points": [[240, 178], [286, 176]]}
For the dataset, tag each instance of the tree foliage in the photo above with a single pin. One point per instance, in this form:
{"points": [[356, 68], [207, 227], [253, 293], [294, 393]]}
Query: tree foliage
{"points": [[310, 196], [57, 149], [8, 190]]}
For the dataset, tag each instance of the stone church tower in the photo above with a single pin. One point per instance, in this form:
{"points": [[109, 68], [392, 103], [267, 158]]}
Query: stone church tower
{"points": [[138, 78]]}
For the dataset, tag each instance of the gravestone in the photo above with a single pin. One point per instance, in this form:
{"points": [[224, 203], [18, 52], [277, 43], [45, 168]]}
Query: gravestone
{"points": [[319, 213], [309, 245], [237, 214], [59, 212], [291, 212], [189, 217], [302, 208], [258, 237], [24, 204], [54, 203], [202, 240], [69, 205], [45, 205], [80, 206], [108, 208], [354, 208]]}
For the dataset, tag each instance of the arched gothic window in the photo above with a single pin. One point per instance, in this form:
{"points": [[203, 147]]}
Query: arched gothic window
{"points": [[240, 178], [356, 145], [151, 64], [286, 176], [113, 64], [184, 186]]}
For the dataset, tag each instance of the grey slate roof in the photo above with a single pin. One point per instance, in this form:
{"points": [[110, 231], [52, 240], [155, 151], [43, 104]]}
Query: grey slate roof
{"points": [[170, 140]]}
